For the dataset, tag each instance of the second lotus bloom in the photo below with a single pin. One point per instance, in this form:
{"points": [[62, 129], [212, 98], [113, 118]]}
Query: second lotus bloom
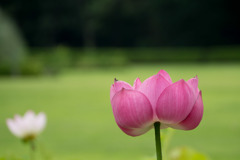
{"points": [[136, 108], [28, 126]]}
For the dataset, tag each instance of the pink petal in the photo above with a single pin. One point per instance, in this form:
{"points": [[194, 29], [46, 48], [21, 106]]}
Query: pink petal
{"points": [[117, 86], [132, 111], [28, 122], [153, 87], [14, 128], [193, 82], [175, 103], [136, 84], [194, 117], [40, 122], [29, 116], [165, 75], [136, 131]]}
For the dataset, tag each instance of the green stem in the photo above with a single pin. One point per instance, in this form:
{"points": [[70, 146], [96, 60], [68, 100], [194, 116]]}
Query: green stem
{"points": [[158, 140], [32, 149]]}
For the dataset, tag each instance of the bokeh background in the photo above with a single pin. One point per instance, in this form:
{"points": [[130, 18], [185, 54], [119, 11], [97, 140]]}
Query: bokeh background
{"points": [[61, 57]]}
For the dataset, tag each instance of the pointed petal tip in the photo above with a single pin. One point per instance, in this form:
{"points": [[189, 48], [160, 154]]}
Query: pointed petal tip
{"points": [[165, 75], [153, 86], [29, 112], [114, 82], [42, 114], [193, 83], [161, 71], [16, 117], [117, 86], [182, 82], [137, 83]]}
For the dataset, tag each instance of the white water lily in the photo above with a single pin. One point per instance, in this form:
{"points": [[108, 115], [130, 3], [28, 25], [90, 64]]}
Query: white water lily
{"points": [[28, 126]]}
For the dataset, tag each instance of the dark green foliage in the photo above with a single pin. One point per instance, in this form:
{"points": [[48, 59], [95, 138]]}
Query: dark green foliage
{"points": [[32, 67], [126, 23], [12, 47], [52, 61], [5, 69]]}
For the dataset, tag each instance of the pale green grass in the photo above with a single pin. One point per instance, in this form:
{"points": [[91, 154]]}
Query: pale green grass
{"points": [[81, 125]]}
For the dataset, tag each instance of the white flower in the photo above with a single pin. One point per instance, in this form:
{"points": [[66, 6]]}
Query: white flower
{"points": [[28, 126]]}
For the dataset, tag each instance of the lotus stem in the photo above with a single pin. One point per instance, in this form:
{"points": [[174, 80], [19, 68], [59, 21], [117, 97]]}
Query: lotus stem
{"points": [[32, 149], [158, 140]]}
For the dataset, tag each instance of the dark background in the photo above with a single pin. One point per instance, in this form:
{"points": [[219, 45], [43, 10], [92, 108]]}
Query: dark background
{"points": [[126, 23], [47, 36]]}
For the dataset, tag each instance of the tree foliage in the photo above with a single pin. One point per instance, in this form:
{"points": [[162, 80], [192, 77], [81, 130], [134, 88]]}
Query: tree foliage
{"points": [[126, 23]]}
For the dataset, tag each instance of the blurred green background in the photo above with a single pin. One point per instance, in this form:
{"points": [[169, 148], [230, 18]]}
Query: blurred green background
{"points": [[81, 124], [61, 58]]}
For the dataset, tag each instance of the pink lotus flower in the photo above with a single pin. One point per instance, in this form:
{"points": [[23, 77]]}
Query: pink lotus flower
{"points": [[136, 108], [28, 126]]}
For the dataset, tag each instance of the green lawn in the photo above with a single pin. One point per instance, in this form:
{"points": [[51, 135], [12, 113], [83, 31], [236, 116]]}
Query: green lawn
{"points": [[81, 125]]}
